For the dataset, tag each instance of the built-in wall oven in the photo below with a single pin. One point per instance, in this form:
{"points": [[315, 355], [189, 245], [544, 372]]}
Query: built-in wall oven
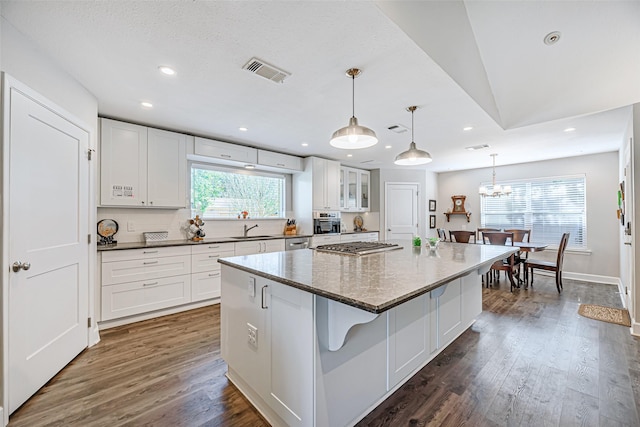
{"points": [[326, 222]]}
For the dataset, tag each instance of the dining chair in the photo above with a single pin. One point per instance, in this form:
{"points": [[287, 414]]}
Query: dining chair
{"points": [[521, 235], [550, 265], [442, 234], [509, 264], [462, 236], [479, 236]]}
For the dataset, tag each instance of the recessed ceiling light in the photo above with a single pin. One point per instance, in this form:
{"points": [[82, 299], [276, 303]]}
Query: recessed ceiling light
{"points": [[167, 70], [552, 38], [305, 144], [249, 167], [349, 155], [569, 129], [388, 146], [146, 104], [467, 128], [243, 129]]}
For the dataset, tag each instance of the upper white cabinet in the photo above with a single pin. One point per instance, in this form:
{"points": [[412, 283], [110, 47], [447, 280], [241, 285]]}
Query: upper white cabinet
{"points": [[225, 151], [355, 185], [278, 160], [142, 167], [326, 184]]}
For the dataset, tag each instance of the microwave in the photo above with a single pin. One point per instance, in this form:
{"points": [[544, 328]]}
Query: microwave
{"points": [[326, 223]]}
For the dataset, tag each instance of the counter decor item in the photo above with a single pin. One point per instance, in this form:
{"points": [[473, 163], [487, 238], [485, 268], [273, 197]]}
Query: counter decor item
{"points": [[290, 229], [358, 222], [195, 230], [107, 228], [155, 236], [433, 243], [417, 241]]}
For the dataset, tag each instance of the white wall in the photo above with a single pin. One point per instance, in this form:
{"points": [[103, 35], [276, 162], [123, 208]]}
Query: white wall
{"points": [[427, 187], [636, 209], [601, 172]]}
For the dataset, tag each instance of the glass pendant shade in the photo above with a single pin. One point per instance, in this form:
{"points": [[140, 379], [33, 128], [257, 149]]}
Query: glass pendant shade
{"points": [[413, 156], [353, 136]]}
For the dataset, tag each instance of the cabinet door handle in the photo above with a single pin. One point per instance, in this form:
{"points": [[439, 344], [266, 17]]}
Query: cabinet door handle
{"points": [[214, 247], [264, 297], [280, 164], [214, 256], [149, 252], [150, 262], [150, 284], [227, 156], [214, 274]]}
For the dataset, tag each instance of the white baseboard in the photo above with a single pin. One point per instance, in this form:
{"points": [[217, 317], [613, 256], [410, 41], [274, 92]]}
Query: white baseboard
{"points": [[158, 313], [4, 422], [635, 329], [593, 278]]}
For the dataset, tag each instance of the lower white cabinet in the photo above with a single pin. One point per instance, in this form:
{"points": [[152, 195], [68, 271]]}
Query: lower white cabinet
{"points": [[324, 239], [259, 246], [205, 269], [267, 337], [371, 236]]}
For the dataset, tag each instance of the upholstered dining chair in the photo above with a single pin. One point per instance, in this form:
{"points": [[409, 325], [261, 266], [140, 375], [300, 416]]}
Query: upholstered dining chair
{"points": [[509, 264], [462, 236], [442, 234], [479, 236], [550, 265]]}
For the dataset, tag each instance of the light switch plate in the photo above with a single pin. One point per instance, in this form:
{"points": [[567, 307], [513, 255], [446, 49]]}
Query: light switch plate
{"points": [[251, 287]]}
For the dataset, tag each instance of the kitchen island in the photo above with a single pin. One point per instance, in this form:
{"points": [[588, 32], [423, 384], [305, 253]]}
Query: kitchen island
{"points": [[320, 339]]}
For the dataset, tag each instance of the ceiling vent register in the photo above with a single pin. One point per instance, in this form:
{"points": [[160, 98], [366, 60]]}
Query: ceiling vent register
{"points": [[265, 70]]}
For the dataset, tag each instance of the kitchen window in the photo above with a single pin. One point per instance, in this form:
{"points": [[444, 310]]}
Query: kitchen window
{"points": [[546, 206], [225, 193]]}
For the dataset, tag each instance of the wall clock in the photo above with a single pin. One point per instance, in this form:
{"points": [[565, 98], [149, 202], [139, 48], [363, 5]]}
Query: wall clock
{"points": [[458, 204]]}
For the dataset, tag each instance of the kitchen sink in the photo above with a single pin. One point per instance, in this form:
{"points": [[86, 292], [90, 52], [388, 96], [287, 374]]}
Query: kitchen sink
{"points": [[252, 237]]}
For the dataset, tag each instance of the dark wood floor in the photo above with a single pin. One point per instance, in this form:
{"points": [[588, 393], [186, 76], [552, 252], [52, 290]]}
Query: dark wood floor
{"points": [[529, 360]]}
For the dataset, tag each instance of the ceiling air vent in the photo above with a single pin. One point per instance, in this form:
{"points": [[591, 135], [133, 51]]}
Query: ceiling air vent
{"points": [[476, 147], [265, 70], [398, 128]]}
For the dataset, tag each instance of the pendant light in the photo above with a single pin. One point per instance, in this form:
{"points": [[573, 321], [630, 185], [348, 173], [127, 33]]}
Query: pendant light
{"points": [[353, 136], [496, 189], [412, 156]]}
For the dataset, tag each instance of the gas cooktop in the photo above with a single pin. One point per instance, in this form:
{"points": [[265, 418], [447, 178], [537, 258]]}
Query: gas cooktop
{"points": [[358, 248]]}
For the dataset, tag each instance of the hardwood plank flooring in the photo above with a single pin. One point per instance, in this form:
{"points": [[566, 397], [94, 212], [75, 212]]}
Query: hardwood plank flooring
{"points": [[529, 360]]}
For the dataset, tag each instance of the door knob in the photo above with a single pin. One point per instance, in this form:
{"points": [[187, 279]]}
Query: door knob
{"points": [[17, 266], [388, 229]]}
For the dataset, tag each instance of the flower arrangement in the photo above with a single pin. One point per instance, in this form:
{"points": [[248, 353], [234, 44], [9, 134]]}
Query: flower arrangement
{"points": [[417, 241], [433, 242]]}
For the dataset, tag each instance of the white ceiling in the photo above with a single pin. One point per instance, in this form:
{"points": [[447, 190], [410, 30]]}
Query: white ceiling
{"points": [[473, 63]]}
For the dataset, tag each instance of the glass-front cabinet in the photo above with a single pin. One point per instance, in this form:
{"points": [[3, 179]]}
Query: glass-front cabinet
{"points": [[354, 190]]}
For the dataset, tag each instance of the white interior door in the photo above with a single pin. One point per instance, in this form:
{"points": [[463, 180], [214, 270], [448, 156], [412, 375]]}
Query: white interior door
{"points": [[401, 210], [629, 250], [48, 207]]}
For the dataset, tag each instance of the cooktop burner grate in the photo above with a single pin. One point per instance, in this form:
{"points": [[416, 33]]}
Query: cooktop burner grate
{"points": [[358, 248]]}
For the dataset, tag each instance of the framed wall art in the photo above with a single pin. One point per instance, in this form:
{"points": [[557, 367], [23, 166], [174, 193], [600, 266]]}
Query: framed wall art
{"points": [[432, 221], [432, 205]]}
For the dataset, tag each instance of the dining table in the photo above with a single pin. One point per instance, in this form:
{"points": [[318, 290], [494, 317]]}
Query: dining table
{"points": [[522, 247]]}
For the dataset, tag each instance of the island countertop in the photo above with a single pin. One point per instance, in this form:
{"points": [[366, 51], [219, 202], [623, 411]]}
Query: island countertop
{"points": [[375, 282]]}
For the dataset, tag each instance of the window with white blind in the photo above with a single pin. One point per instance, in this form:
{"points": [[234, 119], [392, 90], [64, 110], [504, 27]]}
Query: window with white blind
{"points": [[548, 207]]}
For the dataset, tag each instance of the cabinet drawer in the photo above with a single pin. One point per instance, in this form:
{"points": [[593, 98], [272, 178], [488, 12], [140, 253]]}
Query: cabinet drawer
{"points": [[284, 161], [225, 151], [207, 261], [130, 254], [144, 269], [212, 247], [205, 285], [139, 297], [324, 240]]}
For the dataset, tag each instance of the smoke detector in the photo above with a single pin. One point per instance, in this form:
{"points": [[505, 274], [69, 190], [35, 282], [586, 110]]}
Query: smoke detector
{"points": [[265, 70]]}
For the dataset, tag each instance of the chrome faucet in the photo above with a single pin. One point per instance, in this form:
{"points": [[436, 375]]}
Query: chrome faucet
{"points": [[246, 230]]}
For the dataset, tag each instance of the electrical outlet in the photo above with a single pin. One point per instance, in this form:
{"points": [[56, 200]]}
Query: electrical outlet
{"points": [[131, 226], [253, 335]]}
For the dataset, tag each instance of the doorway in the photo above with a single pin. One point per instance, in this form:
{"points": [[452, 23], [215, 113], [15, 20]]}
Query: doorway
{"points": [[401, 210]]}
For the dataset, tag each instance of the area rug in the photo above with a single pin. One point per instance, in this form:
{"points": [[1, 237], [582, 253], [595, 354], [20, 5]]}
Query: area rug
{"points": [[619, 316]]}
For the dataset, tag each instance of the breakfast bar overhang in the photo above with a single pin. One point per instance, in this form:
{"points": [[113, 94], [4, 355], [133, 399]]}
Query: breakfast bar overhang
{"points": [[320, 339]]}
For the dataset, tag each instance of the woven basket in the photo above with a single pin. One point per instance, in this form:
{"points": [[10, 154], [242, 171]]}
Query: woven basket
{"points": [[155, 236]]}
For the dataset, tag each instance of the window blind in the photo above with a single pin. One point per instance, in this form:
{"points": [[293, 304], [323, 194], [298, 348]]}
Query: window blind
{"points": [[548, 207]]}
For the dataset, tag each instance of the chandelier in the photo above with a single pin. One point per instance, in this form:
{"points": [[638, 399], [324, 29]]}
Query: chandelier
{"points": [[496, 189]]}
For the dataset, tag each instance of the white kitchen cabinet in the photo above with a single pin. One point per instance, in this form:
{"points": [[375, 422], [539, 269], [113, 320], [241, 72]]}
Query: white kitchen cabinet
{"points": [[321, 239], [205, 269], [326, 184], [354, 190], [359, 237], [225, 151], [268, 336], [259, 246], [140, 280], [278, 160], [142, 167]]}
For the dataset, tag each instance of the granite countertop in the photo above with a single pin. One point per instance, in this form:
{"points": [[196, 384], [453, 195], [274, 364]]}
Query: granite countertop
{"points": [[185, 242], [375, 282]]}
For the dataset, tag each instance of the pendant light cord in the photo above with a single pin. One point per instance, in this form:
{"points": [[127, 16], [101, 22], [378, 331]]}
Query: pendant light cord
{"points": [[353, 95], [412, 139]]}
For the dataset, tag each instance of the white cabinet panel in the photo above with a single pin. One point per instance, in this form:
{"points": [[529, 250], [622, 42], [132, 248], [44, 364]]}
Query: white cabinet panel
{"points": [[212, 247], [259, 246], [144, 269], [225, 151], [320, 239], [205, 285], [449, 312], [359, 237], [278, 160], [129, 254], [208, 261], [354, 190], [326, 184], [142, 167], [138, 297]]}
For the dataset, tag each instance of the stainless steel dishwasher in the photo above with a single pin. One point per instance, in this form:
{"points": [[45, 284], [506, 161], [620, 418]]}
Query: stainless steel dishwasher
{"points": [[297, 243]]}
